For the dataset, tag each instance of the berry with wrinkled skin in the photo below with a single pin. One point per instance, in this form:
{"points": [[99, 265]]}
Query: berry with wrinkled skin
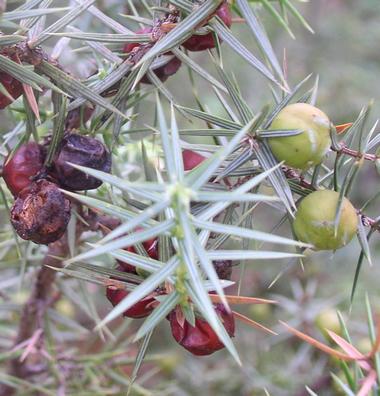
{"points": [[80, 150], [201, 340], [78, 115], [223, 269], [309, 147], [162, 72], [199, 42], [25, 163], [314, 221], [191, 159], [141, 309], [41, 213]]}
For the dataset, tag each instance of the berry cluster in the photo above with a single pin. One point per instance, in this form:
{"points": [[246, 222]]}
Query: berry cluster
{"points": [[199, 339], [196, 42], [41, 211], [315, 219]]}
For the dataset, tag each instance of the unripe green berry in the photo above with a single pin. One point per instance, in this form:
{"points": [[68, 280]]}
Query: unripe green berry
{"points": [[314, 221], [307, 148], [327, 319]]}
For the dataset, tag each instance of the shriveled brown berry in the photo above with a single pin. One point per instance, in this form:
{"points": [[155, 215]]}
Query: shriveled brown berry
{"points": [[25, 163], [78, 115], [41, 213], [80, 150], [199, 42], [223, 268], [162, 72], [201, 339]]}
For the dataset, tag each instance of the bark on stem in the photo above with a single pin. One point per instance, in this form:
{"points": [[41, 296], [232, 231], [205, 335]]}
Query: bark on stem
{"points": [[34, 309]]}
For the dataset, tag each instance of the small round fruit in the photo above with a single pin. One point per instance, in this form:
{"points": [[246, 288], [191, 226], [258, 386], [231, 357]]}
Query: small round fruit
{"points": [[14, 88], [314, 221], [41, 213], [162, 72], [76, 117], [260, 312], [201, 339], [191, 159], [327, 319], [25, 163], [203, 42], [151, 247], [223, 268], [141, 309], [309, 147], [80, 150], [66, 308]]}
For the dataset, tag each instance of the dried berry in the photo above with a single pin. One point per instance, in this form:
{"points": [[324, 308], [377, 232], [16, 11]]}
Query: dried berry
{"points": [[201, 339], [191, 159], [80, 150], [41, 213], [315, 221], [139, 310], [199, 42], [223, 268], [309, 147], [25, 163], [162, 72], [78, 116]]}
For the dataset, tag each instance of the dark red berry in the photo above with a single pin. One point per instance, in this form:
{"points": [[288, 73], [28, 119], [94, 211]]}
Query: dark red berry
{"points": [[25, 163], [13, 86], [78, 115], [191, 159], [80, 150], [41, 213], [162, 72], [203, 42], [130, 46], [201, 339], [140, 310], [151, 247], [223, 268]]}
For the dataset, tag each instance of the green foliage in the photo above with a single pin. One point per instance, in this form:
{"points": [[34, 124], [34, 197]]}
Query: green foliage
{"points": [[211, 212]]}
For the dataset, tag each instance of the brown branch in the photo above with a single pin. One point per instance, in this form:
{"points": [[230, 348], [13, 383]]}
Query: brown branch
{"points": [[35, 308], [344, 149], [43, 296]]}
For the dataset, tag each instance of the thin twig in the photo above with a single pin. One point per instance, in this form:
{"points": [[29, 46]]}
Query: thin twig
{"points": [[35, 308], [344, 149]]}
